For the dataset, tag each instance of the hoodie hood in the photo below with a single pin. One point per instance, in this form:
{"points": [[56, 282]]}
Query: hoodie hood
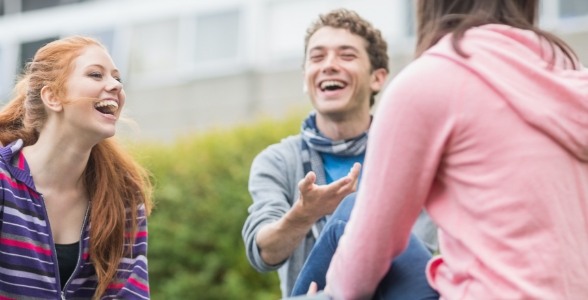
{"points": [[535, 78]]}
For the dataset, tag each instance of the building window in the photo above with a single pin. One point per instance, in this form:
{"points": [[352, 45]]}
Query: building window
{"points": [[217, 36], [3, 80], [154, 47], [28, 50], [29, 5], [573, 8], [106, 37], [410, 18], [8, 7], [286, 28]]}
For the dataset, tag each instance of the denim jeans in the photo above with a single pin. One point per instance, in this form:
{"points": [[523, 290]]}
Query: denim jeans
{"points": [[405, 280]]}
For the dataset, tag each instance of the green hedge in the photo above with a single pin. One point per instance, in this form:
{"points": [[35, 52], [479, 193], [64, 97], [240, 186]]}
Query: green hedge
{"points": [[201, 200]]}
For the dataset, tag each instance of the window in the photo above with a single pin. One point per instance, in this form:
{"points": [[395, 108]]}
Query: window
{"points": [[3, 80], [154, 47], [217, 36], [8, 7], [410, 18], [29, 5], [573, 8], [28, 50], [286, 28], [106, 37]]}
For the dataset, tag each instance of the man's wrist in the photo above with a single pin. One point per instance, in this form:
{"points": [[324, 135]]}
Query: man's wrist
{"points": [[299, 216]]}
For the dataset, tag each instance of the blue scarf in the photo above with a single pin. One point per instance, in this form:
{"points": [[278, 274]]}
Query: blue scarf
{"points": [[313, 143]]}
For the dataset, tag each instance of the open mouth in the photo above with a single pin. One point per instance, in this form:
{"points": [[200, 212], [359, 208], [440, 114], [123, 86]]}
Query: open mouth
{"points": [[331, 85], [107, 107]]}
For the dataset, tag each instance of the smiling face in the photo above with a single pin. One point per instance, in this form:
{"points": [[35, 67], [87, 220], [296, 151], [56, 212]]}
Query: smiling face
{"points": [[338, 74], [94, 94]]}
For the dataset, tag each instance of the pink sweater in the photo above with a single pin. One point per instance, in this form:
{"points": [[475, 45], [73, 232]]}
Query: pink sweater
{"points": [[495, 147]]}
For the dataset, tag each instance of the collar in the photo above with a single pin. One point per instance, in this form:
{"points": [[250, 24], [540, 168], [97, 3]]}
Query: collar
{"points": [[18, 168]]}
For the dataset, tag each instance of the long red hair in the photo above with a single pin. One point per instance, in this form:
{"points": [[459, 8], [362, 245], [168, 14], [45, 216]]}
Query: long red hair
{"points": [[116, 184]]}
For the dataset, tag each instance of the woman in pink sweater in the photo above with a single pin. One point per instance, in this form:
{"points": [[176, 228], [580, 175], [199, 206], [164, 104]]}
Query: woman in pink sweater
{"points": [[488, 130]]}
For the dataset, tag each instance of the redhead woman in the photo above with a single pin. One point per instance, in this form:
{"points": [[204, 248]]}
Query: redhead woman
{"points": [[73, 204]]}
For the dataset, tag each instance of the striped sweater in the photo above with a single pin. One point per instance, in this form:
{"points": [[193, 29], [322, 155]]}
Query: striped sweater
{"points": [[28, 261]]}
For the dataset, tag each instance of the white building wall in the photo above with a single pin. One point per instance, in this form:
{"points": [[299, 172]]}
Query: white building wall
{"points": [[192, 65]]}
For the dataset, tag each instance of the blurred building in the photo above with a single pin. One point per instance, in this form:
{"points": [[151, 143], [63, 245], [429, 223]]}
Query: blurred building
{"points": [[190, 65]]}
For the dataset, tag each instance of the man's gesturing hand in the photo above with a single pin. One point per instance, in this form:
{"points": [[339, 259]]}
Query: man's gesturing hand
{"points": [[319, 200]]}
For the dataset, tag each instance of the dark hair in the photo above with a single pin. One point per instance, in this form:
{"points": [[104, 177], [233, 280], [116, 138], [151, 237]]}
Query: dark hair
{"points": [[347, 19], [436, 18]]}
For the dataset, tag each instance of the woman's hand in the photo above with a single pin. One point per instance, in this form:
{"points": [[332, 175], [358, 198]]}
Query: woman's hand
{"points": [[312, 289]]}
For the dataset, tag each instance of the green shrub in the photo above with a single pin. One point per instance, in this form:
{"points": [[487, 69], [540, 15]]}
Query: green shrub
{"points": [[201, 200]]}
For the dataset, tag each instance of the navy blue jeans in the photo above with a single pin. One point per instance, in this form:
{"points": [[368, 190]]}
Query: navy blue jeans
{"points": [[405, 280]]}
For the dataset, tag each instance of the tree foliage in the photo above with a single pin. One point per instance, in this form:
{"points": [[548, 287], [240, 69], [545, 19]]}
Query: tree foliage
{"points": [[201, 200]]}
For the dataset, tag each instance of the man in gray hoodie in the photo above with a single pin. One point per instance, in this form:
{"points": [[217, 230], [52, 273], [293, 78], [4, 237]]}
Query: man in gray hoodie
{"points": [[297, 183]]}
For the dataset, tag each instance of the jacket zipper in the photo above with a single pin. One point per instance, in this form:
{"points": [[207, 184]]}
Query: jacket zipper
{"points": [[56, 265], [56, 262], [80, 248]]}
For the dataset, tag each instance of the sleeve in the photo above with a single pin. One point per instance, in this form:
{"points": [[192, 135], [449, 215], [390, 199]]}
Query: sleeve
{"points": [[133, 277], [272, 194], [411, 128]]}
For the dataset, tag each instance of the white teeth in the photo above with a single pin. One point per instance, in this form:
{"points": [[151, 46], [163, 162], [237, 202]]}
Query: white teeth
{"points": [[331, 83], [106, 103]]}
